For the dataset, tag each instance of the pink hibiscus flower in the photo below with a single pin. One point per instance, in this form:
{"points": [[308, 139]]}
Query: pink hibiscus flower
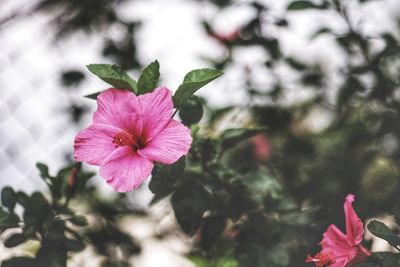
{"points": [[128, 133], [339, 249]]}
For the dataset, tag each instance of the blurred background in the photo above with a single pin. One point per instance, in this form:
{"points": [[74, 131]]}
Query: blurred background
{"points": [[322, 76]]}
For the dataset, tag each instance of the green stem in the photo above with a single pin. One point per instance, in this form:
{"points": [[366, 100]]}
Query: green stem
{"points": [[176, 111]]}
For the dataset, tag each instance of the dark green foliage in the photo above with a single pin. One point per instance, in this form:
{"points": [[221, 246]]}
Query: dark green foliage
{"points": [[189, 202], [232, 137], [380, 230], [15, 240], [301, 5], [114, 75], [8, 198], [45, 220], [149, 78], [164, 178], [244, 212], [211, 230], [192, 111], [72, 78], [192, 82], [19, 262]]}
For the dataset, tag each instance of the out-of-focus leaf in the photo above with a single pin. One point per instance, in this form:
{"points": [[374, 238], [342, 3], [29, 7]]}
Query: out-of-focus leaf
{"points": [[79, 220], [321, 31], [74, 245], [72, 77], [43, 169], [22, 198], [189, 203], [19, 262], [113, 75], [149, 78], [15, 240], [302, 4], [257, 255], [192, 82], [380, 230], [94, 95], [108, 263], [8, 198], [295, 64], [164, 177], [8, 220], [192, 111], [217, 114], [381, 259], [232, 137], [261, 184], [211, 229]]}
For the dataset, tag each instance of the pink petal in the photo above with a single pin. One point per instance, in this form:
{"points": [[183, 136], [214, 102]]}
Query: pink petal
{"points": [[119, 108], [156, 108], [334, 241], [354, 226], [125, 170], [361, 255], [169, 145], [93, 144], [338, 264]]}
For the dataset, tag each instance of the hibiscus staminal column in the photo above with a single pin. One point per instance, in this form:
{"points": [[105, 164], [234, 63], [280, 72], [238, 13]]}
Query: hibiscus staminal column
{"points": [[125, 138]]}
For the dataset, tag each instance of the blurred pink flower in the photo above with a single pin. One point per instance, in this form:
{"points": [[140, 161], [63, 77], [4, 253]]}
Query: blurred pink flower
{"points": [[339, 249], [261, 147], [224, 38], [128, 133]]}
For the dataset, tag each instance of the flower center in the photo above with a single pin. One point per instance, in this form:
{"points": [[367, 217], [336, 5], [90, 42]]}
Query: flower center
{"points": [[321, 259], [125, 138]]}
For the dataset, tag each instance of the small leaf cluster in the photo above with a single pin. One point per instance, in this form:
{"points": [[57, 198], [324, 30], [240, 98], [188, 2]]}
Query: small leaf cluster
{"points": [[184, 99], [48, 221], [50, 225]]}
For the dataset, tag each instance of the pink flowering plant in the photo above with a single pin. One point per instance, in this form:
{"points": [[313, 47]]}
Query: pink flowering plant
{"points": [[133, 126], [226, 187], [339, 249]]}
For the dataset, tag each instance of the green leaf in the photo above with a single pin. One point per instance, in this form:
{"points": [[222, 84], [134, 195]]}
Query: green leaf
{"points": [[385, 259], [9, 220], [191, 111], [59, 183], [79, 220], [52, 254], [192, 82], [40, 207], [301, 5], [380, 230], [22, 198], [43, 169], [211, 230], [94, 95], [190, 202], [15, 240], [110, 263], [74, 245], [8, 198], [19, 262], [232, 137], [149, 78], [164, 177], [113, 75]]}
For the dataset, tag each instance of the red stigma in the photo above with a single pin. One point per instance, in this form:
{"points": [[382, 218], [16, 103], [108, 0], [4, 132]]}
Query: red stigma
{"points": [[320, 259], [125, 138]]}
